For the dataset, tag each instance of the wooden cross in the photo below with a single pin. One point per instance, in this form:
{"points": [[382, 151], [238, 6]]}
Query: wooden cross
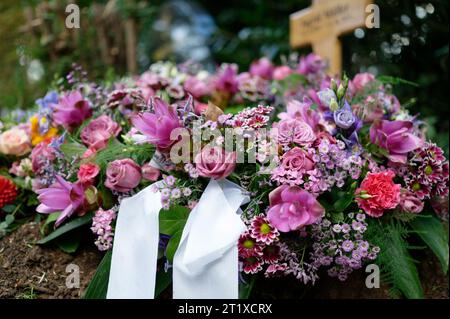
{"points": [[322, 24]]}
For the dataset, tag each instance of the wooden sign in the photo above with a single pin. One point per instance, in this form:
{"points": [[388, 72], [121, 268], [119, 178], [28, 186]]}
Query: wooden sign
{"points": [[322, 24]]}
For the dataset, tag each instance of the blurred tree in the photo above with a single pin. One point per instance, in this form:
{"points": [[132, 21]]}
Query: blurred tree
{"points": [[411, 44]]}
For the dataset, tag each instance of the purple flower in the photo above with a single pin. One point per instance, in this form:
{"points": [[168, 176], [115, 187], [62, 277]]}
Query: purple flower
{"points": [[71, 110], [101, 226], [344, 117], [262, 67], [63, 196], [196, 87], [396, 137], [47, 101], [226, 80], [302, 111], [312, 63], [158, 126], [347, 245]]}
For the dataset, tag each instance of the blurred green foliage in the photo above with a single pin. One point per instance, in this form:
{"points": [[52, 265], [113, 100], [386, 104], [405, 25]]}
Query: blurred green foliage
{"points": [[411, 44]]}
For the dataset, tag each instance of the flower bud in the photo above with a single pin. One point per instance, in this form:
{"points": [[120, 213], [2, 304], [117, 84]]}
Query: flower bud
{"points": [[340, 92], [334, 105]]}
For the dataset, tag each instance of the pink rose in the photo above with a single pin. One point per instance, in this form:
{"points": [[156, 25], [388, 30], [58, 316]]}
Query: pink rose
{"points": [[397, 137], [123, 175], [98, 132], [378, 193], [150, 173], [41, 154], [15, 142], [410, 203], [281, 72], [87, 173], [360, 81], [215, 162], [292, 208], [295, 131], [297, 159]]}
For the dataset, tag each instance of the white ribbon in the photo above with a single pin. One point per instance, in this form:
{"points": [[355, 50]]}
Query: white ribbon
{"points": [[135, 250], [206, 262]]}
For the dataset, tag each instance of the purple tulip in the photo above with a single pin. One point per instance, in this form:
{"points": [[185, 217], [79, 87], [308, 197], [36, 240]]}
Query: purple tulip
{"points": [[158, 126], [71, 110], [63, 197], [396, 137]]}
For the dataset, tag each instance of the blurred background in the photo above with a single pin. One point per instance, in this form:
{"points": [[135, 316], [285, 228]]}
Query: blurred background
{"points": [[119, 37]]}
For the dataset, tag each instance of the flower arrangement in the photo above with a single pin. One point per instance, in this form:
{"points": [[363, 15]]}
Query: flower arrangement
{"points": [[337, 172]]}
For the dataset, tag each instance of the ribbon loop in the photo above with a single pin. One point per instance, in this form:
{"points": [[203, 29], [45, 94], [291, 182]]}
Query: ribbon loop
{"points": [[206, 261]]}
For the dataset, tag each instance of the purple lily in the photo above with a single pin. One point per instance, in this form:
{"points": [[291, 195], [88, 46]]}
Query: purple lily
{"points": [[63, 196]]}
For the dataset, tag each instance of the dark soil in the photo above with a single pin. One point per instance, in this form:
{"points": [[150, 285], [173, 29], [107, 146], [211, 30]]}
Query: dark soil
{"points": [[32, 271]]}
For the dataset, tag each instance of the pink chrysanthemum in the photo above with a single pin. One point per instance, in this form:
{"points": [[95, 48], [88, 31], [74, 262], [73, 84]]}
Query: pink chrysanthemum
{"points": [[252, 265], [427, 172], [262, 231], [248, 246], [271, 254], [275, 270]]}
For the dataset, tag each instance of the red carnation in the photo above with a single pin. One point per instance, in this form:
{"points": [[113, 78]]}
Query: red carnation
{"points": [[8, 191], [378, 193]]}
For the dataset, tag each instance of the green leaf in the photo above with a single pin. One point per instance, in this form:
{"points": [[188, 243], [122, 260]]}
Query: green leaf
{"points": [[172, 245], [99, 284], [9, 219], [234, 109], [342, 203], [163, 280], [74, 223], [69, 242], [9, 208], [73, 149], [173, 220], [395, 80], [106, 197], [433, 233], [246, 289], [395, 261], [116, 150], [50, 219]]}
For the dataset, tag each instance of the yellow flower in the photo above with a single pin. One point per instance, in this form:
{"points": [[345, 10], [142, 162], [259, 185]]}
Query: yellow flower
{"points": [[36, 136]]}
